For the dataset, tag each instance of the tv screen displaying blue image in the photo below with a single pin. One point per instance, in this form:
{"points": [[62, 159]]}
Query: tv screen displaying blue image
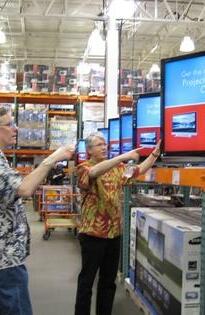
{"points": [[104, 131], [114, 137], [81, 148], [126, 132], [156, 243], [148, 139], [148, 111], [184, 123], [183, 105]]}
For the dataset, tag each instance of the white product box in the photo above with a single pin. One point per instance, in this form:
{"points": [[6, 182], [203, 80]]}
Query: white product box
{"points": [[168, 264]]}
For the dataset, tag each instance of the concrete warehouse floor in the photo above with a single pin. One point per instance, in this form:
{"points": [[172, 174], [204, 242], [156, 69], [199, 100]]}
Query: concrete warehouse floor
{"points": [[53, 269]]}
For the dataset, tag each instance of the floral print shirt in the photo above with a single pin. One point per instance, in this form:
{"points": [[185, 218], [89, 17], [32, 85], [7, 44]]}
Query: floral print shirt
{"points": [[14, 230], [101, 200]]}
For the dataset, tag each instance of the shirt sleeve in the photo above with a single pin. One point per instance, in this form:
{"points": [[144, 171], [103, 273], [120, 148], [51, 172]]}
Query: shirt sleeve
{"points": [[84, 180], [10, 181]]}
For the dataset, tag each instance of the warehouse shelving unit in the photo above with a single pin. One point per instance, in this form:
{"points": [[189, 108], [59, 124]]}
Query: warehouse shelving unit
{"points": [[183, 177]]}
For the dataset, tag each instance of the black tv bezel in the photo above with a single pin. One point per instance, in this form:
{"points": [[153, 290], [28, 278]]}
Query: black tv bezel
{"points": [[104, 128], [121, 117], [184, 156], [145, 95], [109, 122]]}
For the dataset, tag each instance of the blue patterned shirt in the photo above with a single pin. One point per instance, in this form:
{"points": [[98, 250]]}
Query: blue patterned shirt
{"points": [[14, 229]]}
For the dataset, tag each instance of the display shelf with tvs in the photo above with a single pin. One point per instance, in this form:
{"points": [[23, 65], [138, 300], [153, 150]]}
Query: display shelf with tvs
{"points": [[126, 132], [148, 122], [183, 106], [114, 137]]}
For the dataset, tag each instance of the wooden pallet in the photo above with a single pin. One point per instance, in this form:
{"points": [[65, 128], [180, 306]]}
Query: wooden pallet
{"points": [[136, 298]]}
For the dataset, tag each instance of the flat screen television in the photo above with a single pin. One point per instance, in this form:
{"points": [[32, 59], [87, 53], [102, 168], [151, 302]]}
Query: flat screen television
{"points": [[81, 153], [148, 122], [114, 137], [183, 106], [126, 132], [104, 131]]}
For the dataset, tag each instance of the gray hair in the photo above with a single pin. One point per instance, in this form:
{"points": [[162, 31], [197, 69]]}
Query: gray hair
{"points": [[3, 111], [92, 137]]}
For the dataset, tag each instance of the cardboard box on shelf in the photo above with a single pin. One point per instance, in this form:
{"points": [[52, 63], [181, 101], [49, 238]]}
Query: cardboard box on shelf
{"points": [[168, 264]]}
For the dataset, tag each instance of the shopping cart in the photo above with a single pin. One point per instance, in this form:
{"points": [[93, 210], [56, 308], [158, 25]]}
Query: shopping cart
{"points": [[58, 208]]}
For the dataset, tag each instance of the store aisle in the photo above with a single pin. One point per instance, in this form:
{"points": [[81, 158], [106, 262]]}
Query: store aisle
{"points": [[53, 268]]}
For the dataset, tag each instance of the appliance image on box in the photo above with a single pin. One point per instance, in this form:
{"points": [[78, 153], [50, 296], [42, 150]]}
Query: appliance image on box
{"points": [[168, 263], [148, 122], [148, 139], [184, 125], [183, 105], [104, 131], [126, 132], [114, 137]]}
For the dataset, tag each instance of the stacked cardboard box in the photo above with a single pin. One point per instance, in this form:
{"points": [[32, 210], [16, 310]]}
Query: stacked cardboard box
{"points": [[167, 262], [8, 73], [36, 78], [65, 80], [62, 132], [32, 125]]}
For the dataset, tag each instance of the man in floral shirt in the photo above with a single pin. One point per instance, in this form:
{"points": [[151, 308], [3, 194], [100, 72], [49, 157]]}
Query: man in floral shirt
{"points": [[101, 182], [14, 230]]}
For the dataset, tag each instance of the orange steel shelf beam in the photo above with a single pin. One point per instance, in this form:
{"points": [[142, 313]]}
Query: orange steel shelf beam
{"points": [[27, 152], [61, 113], [192, 177]]}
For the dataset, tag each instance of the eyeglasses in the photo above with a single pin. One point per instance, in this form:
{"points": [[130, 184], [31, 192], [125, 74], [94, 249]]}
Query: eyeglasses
{"points": [[11, 124], [100, 145]]}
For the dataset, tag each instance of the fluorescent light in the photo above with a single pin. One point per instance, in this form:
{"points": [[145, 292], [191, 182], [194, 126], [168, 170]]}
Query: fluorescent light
{"points": [[122, 9], [187, 44], [2, 37], [154, 68], [154, 48]]}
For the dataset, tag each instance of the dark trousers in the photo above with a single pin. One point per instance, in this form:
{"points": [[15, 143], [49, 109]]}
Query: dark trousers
{"points": [[14, 295], [102, 254]]}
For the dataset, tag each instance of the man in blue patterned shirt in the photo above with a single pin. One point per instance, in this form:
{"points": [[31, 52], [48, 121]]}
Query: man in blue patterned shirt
{"points": [[14, 229]]}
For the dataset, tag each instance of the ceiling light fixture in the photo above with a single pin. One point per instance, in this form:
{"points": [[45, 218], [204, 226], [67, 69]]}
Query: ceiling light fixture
{"points": [[187, 44], [122, 9], [154, 68], [2, 37]]}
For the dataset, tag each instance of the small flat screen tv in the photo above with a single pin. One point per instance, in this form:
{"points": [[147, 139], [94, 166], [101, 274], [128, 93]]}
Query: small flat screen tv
{"points": [[126, 132], [81, 154], [104, 131], [114, 137], [148, 122], [183, 106]]}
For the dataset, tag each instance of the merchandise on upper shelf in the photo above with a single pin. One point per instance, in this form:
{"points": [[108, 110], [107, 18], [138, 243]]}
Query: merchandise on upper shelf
{"points": [[7, 77], [62, 107], [36, 78], [32, 125], [62, 132], [91, 127], [64, 80]]}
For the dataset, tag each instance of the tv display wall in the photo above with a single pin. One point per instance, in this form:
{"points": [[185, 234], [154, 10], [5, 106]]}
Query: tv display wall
{"points": [[148, 122], [183, 104]]}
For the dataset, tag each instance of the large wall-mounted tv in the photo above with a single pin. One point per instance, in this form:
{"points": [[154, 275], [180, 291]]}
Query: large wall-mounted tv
{"points": [[148, 122], [183, 105], [114, 137], [126, 132]]}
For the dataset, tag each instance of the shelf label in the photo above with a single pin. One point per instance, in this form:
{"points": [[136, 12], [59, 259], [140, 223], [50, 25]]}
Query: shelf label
{"points": [[176, 177]]}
